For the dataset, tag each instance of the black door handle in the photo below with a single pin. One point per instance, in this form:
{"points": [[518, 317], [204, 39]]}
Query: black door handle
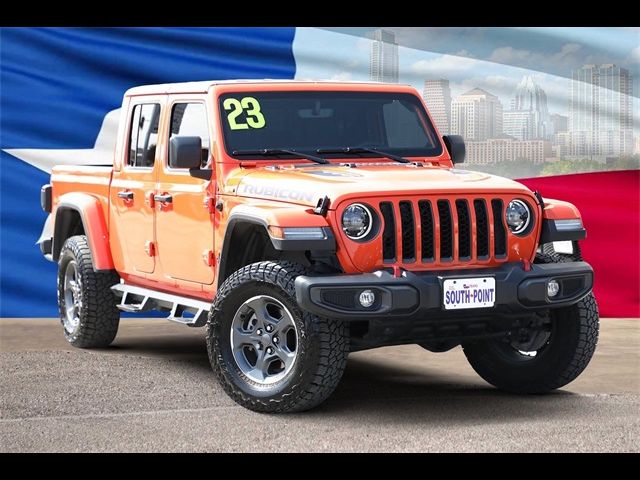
{"points": [[125, 194], [164, 198]]}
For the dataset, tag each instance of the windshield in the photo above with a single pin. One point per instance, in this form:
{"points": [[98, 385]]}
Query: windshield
{"points": [[311, 122]]}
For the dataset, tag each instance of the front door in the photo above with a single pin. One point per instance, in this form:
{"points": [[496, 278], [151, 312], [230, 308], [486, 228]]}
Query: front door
{"points": [[133, 186], [184, 223]]}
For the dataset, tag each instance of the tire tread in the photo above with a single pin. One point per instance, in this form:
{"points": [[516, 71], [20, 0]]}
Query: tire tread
{"points": [[331, 336], [99, 317]]}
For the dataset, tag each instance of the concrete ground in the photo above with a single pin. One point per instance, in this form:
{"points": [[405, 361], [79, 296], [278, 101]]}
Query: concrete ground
{"points": [[153, 391]]}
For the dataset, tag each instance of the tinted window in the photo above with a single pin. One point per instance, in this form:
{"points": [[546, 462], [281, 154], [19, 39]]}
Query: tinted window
{"points": [[144, 135], [307, 121], [190, 120]]}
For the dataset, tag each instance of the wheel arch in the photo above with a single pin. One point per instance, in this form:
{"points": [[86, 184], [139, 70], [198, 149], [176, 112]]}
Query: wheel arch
{"points": [[247, 239], [82, 214]]}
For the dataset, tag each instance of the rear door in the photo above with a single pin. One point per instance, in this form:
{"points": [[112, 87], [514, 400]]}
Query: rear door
{"points": [[184, 223], [133, 186]]}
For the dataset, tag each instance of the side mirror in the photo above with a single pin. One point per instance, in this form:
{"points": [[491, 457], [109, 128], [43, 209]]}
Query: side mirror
{"points": [[456, 148], [185, 152]]}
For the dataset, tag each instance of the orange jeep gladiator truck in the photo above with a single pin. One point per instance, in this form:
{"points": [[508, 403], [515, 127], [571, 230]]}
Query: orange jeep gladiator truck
{"points": [[301, 221]]}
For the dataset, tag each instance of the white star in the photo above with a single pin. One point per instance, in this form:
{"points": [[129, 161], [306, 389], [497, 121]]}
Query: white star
{"points": [[100, 154]]}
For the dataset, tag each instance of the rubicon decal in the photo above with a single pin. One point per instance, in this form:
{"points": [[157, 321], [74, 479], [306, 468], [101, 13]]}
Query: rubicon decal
{"points": [[275, 192]]}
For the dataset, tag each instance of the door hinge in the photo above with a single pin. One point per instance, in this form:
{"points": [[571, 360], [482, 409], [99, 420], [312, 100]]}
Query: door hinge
{"points": [[150, 199], [210, 204], [209, 258], [150, 248]]}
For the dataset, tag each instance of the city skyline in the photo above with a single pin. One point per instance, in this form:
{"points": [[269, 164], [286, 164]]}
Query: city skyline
{"points": [[491, 65], [520, 122]]}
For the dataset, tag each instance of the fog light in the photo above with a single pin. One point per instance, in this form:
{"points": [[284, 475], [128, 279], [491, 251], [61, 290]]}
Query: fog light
{"points": [[553, 287], [367, 297]]}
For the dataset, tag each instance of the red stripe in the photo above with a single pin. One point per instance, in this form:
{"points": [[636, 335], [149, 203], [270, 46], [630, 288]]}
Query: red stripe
{"points": [[610, 206]]}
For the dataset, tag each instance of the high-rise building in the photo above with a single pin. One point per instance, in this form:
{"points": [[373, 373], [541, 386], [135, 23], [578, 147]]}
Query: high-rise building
{"points": [[560, 123], [520, 124], [528, 117], [561, 146], [600, 111], [383, 61], [476, 115], [496, 150], [437, 96]]}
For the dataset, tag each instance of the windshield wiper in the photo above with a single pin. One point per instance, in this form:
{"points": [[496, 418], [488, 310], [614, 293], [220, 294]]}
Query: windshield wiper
{"points": [[358, 150], [281, 151]]}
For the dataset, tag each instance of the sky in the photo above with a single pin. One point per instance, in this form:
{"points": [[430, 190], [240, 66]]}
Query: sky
{"points": [[494, 59]]}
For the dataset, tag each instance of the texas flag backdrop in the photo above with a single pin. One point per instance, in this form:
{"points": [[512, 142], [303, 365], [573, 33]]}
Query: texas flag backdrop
{"points": [[61, 89]]}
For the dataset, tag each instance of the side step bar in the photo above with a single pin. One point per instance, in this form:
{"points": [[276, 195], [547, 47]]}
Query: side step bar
{"points": [[138, 299]]}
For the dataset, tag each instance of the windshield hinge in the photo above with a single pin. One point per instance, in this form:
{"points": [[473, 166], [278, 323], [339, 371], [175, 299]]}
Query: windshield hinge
{"points": [[322, 207]]}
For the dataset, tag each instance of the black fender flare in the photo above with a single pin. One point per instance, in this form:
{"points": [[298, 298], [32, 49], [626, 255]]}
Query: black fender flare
{"points": [[280, 244]]}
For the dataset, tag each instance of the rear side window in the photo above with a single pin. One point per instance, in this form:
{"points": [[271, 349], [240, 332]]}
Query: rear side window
{"points": [[190, 120], [144, 135]]}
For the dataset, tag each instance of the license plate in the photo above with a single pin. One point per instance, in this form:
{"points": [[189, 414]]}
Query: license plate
{"points": [[461, 293]]}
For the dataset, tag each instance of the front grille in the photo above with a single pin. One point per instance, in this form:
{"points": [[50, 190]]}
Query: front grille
{"points": [[442, 230]]}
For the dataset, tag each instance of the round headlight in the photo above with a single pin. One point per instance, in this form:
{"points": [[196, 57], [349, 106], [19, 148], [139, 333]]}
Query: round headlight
{"points": [[356, 221], [518, 216]]}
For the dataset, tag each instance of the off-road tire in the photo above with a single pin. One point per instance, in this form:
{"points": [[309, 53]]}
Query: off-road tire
{"points": [[99, 316], [573, 340], [323, 344]]}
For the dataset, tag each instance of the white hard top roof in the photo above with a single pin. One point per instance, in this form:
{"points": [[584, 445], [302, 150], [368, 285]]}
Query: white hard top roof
{"points": [[203, 86]]}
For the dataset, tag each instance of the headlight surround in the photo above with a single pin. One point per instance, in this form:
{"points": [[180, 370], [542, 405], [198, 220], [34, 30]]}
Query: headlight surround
{"points": [[357, 221], [518, 216]]}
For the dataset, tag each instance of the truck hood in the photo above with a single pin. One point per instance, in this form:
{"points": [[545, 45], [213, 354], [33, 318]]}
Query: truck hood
{"points": [[305, 184]]}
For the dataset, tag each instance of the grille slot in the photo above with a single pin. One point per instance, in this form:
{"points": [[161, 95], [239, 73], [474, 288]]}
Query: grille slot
{"points": [[426, 224], [482, 229], [499, 232], [464, 230], [446, 231], [408, 232], [388, 233]]}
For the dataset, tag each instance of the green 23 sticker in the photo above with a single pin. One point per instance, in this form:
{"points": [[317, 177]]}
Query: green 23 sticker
{"points": [[250, 106]]}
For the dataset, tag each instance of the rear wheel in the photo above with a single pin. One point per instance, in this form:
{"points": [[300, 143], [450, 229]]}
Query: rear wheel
{"points": [[267, 353], [87, 305], [545, 359]]}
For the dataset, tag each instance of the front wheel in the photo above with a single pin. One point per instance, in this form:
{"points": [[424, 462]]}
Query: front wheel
{"points": [[550, 358], [267, 353]]}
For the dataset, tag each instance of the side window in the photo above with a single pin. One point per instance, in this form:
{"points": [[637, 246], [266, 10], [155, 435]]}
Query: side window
{"points": [[144, 135], [190, 120]]}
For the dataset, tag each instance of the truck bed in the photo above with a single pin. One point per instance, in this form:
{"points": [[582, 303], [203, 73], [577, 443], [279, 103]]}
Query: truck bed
{"points": [[93, 180]]}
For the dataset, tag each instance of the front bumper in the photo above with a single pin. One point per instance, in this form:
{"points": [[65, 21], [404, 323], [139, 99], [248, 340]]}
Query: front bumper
{"points": [[418, 295]]}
